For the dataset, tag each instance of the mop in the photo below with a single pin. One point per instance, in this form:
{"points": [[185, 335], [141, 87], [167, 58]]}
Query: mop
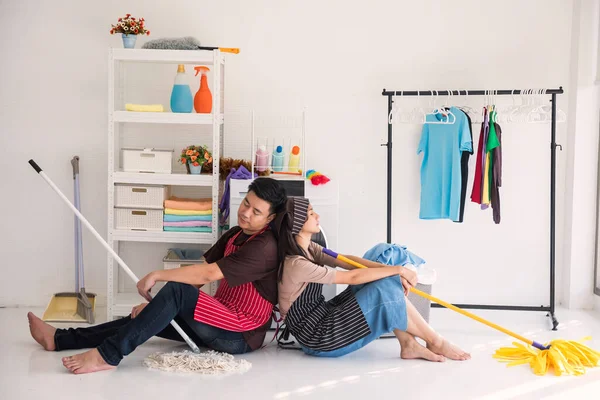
{"points": [[565, 357], [210, 362]]}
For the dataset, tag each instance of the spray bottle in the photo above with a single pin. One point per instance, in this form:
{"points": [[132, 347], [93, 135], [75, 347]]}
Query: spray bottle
{"points": [[203, 98], [181, 95], [262, 158]]}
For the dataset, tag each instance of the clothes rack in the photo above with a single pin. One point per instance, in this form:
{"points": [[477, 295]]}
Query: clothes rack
{"points": [[553, 145]]}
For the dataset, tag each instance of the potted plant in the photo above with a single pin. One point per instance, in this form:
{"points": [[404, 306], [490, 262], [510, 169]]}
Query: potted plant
{"points": [[129, 27], [194, 158]]}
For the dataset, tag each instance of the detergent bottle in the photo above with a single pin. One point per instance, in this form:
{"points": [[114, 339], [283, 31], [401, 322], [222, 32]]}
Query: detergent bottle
{"points": [[262, 158], [278, 159], [203, 98], [181, 96], [294, 162]]}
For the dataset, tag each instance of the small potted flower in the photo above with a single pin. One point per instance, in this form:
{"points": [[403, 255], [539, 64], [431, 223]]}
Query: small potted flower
{"points": [[129, 27], [194, 158]]}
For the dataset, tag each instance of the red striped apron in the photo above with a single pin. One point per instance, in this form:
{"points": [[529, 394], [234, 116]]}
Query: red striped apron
{"points": [[236, 309]]}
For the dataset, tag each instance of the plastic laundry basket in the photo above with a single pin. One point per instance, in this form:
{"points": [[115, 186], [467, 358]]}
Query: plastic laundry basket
{"points": [[426, 277]]}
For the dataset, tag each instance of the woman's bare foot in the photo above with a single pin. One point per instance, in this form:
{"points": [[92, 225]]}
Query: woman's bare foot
{"points": [[411, 349], [90, 361], [41, 332], [443, 347]]}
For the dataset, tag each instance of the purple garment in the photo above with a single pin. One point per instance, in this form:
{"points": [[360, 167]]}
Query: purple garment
{"points": [[497, 176], [240, 173]]}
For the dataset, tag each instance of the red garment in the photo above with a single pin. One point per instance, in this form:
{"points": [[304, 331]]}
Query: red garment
{"points": [[476, 192], [238, 309]]}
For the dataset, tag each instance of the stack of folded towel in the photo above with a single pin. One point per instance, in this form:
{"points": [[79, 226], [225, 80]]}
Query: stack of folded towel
{"points": [[188, 215]]}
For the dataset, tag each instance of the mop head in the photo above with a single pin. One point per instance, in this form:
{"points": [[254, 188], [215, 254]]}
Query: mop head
{"points": [[184, 43], [207, 363], [566, 357]]}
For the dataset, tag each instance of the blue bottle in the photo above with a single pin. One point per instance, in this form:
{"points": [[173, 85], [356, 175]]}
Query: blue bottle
{"points": [[278, 159], [181, 96]]}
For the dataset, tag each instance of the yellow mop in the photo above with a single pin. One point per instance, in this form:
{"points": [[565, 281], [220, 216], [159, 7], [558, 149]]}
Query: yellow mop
{"points": [[565, 357]]}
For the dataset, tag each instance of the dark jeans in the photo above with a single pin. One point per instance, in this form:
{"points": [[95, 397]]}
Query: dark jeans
{"points": [[116, 339]]}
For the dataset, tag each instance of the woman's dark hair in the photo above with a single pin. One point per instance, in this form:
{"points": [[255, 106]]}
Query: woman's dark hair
{"points": [[271, 191], [286, 242]]}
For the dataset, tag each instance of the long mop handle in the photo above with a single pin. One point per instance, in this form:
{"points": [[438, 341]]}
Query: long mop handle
{"points": [[107, 247], [447, 305]]}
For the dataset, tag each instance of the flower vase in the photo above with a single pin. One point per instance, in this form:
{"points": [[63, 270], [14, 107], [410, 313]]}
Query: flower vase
{"points": [[193, 169], [129, 41]]}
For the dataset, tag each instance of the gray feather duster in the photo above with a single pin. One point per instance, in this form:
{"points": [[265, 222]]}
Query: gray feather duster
{"points": [[184, 43]]}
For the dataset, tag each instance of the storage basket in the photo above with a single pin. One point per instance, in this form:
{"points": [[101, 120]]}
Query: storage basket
{"points": [[177, 258], [140, 196], [138, 219], [147, 160]]}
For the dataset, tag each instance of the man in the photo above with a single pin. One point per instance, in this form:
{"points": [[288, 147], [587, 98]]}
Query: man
{"points": [[234, 321]]}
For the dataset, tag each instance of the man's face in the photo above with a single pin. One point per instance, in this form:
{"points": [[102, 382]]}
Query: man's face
{"points": [[254, 213]]}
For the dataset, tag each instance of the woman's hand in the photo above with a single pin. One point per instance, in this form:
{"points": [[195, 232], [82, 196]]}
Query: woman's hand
{"points": [[135, 311], [409, 275], [145, 285]]}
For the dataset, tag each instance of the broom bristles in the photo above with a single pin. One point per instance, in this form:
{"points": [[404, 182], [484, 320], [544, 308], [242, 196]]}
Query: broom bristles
{"points": [[565, 357]]}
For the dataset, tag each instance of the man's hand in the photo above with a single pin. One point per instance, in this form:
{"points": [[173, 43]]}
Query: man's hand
{"points": [[135, 311], [145, 285]]}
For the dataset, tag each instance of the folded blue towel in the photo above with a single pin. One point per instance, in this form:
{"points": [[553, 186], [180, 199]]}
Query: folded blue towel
{"points": [[392, 254], [188, 254], [182, 218]]}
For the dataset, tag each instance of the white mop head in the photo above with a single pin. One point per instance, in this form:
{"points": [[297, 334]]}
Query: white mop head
{"points": [[207, 363], [184, 43]]}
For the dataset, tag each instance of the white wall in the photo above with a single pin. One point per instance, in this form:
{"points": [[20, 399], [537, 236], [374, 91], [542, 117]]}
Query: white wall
{"points": [[330, 57], [584, 103]]}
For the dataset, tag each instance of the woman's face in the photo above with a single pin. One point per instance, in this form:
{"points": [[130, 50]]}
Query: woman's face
{"points": [[312, 222]]}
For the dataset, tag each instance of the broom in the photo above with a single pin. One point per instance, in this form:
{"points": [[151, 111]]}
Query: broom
{"points": [[566, 357]]}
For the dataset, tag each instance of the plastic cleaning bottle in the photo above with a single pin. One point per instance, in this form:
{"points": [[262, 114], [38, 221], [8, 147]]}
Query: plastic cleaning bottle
{"points": [[278, 159], [294, 162], [262, 158], [181, 96], [203, 98]]}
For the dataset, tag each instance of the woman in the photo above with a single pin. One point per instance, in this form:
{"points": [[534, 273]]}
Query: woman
{"points": [[375, 303]]}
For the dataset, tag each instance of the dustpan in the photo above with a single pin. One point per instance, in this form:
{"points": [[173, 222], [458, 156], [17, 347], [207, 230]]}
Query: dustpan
{"points": [[77, 306]]}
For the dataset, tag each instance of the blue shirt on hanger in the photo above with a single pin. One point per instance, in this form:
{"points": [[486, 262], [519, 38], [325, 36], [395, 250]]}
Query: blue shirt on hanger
{"points": [[442, 146]]}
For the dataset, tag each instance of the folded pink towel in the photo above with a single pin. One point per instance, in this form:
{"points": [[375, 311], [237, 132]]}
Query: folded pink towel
{"points": [[189, 223], [188, 204]]}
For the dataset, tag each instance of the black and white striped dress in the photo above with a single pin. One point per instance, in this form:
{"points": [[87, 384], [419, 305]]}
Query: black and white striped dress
{"points": [[326, 325]]}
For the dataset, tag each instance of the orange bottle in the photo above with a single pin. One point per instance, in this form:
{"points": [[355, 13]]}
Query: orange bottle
{"points": [[203, 97]]}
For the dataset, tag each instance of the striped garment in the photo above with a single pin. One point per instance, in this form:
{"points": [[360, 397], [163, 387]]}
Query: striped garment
{"points": [[238, 309], [326, 326]]}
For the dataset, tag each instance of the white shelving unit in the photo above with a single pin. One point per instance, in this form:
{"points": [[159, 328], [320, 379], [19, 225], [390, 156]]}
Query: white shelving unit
{"points": [[120, 304]]}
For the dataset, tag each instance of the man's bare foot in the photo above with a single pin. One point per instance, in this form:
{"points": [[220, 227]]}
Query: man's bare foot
{"points": [[41, 332], [443, 347], [411, 349], [90, 361]]}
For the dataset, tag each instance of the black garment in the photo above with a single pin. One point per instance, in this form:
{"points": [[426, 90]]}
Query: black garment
{"points": [[326, 326], [496, 176], [116, 339], [464, 172]]}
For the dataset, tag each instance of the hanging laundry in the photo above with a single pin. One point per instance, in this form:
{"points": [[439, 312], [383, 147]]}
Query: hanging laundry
{"points": [[497, 174], [441, 145], [478, 179], [491, 144], [464, 170]]}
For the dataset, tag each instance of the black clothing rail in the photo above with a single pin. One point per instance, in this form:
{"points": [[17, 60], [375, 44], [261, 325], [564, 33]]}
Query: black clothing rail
{"points": [[553, 145]]}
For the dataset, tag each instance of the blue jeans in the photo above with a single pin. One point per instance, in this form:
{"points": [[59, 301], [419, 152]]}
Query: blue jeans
{"points": [[116, 339]]}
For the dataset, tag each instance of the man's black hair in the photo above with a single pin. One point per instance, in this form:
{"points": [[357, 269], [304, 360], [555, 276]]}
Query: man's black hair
{"points": [[271, 191]]}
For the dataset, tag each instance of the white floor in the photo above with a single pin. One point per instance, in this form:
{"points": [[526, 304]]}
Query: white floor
{"points": [[375, 372]]}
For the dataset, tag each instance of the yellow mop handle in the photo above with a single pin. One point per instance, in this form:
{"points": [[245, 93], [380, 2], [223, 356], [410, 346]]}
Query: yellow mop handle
{"points": [[443, 303]]}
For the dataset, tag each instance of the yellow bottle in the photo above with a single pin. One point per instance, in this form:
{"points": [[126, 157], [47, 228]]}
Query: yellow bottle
{"points": [[294, 162]]}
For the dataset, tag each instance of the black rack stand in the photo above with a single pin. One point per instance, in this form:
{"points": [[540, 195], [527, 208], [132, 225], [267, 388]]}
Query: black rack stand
{"points": [[553, 92]]}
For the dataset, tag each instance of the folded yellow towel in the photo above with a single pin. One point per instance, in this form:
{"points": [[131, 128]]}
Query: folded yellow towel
{"points": [[173, 211], [144, 107]]}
